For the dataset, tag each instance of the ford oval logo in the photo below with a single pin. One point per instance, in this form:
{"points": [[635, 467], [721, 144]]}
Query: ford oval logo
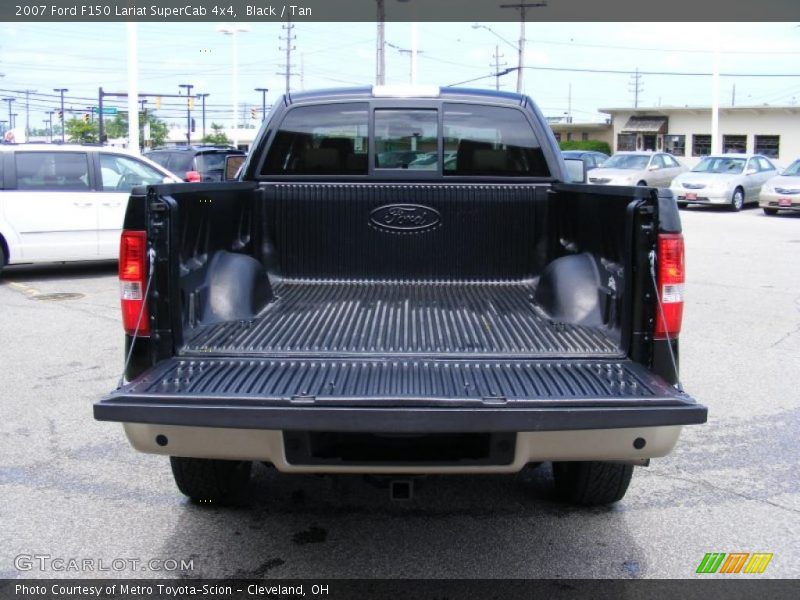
{"points": [[404, 217]]}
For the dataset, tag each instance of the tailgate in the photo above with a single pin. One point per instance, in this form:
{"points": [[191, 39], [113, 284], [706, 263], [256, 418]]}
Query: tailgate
{"points": [[400, 395]]}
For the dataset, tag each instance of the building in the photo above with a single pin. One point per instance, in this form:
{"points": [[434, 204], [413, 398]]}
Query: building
{"points": [[773, 131], [568, 131]]}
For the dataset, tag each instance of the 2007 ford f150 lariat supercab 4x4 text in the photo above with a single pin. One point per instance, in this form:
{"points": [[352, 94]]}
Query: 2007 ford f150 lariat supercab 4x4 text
{"points": [[402, 283]]}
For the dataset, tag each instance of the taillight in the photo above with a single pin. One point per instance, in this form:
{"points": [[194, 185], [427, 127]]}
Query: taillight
{"points": [[192, 176], [671, 276], [132, 282]]}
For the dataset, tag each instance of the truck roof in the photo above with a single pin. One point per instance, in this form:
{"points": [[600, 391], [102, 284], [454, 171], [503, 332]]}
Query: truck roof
{"points": [[406, 92]]}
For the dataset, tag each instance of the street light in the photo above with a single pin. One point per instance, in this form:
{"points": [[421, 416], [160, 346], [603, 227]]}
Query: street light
{"points": [[188, 87], [263, 102], [61, 91], [234, 30]]}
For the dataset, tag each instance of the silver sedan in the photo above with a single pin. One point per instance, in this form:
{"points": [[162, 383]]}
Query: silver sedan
{"points": [[656, 169], [724, 179], [782, 192]]}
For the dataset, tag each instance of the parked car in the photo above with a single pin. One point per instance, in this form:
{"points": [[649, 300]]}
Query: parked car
{"points": [[67, 202], [655, 169], [731, 180], [782, 192], [466, 319], [195, 163], [591, 158]]}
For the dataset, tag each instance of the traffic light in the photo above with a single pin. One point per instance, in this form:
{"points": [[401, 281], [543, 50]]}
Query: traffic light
{"points": [[253, 113], [158, 102], [86, 117], [60, 114]]}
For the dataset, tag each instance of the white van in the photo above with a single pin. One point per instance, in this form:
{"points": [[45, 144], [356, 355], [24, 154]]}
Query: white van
{"points": [[62, 203]]}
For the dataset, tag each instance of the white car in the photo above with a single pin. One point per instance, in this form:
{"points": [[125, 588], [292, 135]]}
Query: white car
{"points": [[730, 180], [61, 203], [655, 169]]}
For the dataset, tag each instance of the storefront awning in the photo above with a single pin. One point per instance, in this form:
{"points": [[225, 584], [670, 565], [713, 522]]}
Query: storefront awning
{"points": [[646, 125]]}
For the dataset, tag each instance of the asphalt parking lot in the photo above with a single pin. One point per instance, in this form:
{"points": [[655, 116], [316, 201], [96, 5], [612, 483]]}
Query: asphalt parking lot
{"points": [[73, 488]]}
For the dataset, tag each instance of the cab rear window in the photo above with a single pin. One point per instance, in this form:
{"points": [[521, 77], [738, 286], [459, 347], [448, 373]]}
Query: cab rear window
{"points": [[321, 140], [490, 140]]}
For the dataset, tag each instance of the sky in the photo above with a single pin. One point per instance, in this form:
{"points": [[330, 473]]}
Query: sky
{"points": [[83, 57]]}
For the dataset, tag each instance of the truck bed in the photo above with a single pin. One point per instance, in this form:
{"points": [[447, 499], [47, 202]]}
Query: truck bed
{"points": [[308, 318]]}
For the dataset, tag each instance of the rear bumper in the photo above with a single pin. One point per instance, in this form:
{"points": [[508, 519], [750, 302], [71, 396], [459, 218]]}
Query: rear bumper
{"points": [[409, 418], [268, 446]]}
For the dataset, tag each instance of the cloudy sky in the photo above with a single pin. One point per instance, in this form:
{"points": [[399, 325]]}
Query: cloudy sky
{"points": [[83, 57]]}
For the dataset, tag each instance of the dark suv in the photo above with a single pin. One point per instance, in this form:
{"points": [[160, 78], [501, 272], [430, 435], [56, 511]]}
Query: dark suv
{"points": [[195, 163]]}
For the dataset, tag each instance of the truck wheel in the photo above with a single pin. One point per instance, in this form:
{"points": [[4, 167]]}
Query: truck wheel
{"points": [[591, 483], [737, 200], [210, 481]]}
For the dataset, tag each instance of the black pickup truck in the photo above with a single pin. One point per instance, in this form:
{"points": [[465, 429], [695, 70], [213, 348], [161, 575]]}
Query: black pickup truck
{"points": [[402, 283]]}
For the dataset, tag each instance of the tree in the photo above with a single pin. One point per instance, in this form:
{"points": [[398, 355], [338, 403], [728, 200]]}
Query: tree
{"points": [[218, 137], [118, 128], [79, 131]]}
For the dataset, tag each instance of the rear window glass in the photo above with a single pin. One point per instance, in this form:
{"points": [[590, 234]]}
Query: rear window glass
{"points": [[321, 140], [180, 162], [406, 139], [161, 158], [52, 171], [490, 140], [211, 161]]}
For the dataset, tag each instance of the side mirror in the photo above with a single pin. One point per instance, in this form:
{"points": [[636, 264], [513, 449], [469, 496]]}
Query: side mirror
{"points": [[653, 168], [233, 162], [750, 171], [576, 170]]}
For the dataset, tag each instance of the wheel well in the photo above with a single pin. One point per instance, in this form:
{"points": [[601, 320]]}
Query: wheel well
{"points": [[4, 246], [740, 188], [642, 182]]}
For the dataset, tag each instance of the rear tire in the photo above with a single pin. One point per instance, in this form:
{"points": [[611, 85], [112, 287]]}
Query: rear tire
{"points": [[591, 483], [737, 200], [211, 481], [770, 211], [683, 204], [2, 256]]}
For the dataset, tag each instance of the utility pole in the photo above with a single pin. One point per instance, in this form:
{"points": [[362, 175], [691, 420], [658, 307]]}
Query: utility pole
{"points": [[522, 8], [497, 64], [289, 47], [412, 75], [188, 87], [203, 103], [733, 95], [63, 120], [50, 124], [636, 87], [263, 102], [569, 103], [380, 49], [28, 113], [10, 116]]}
